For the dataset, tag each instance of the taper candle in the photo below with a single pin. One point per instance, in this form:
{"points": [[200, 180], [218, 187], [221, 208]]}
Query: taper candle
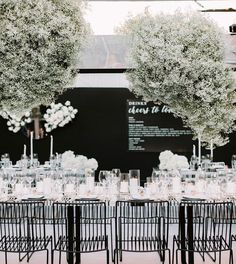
{"points": [[31, 147], [211, 150], [24, 153], [199, 149], [51, 146], [194, 151]]}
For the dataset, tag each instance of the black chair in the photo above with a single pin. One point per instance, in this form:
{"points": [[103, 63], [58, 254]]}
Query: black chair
{"points": [[22, 229], [142, 226], [79, 228], [204, 228], [110, 220]]}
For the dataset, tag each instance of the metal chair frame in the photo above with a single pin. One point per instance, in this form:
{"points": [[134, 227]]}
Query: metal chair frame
{"points": [[142, 226], [206, 230], [22, 229], [79, 228]]}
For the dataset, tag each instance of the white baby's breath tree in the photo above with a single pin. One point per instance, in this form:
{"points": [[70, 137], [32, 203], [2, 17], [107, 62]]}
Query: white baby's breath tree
{"points": [[39, 45], [178, 60]]}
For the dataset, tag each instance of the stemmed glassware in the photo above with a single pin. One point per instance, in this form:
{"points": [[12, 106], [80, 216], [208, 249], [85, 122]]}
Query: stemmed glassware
{"points": [[53, 162], [24, 162], [103, 176], [5, 160], [116, 172], [31, 179], [233, 162]]}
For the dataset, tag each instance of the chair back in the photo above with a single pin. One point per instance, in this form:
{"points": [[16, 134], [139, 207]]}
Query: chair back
{"points": [[82, 225], [20, 220], [206, 220], [142, 225]]}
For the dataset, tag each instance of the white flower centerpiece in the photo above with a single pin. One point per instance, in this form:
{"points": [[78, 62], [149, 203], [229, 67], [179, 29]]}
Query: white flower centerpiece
{"points": [[70, 161], [170, 161], [173, 164]]}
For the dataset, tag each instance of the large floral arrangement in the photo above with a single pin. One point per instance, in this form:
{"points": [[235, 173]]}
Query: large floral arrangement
{"points": [[57, 115], [39, 45], [171, 161], [78, 162], [14, 122], [179, 60]]}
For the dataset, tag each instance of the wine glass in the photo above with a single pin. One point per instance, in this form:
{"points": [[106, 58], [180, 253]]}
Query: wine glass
{"points": [[5, 159], [116, 172], [103, 175], [233, 162], [53, 162]]}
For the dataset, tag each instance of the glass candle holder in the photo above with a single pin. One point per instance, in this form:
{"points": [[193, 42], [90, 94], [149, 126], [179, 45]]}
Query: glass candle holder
{"points": [[124, 182], [134, 180]]}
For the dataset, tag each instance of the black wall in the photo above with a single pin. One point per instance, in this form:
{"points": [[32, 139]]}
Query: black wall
{"points": [[99, 130]]}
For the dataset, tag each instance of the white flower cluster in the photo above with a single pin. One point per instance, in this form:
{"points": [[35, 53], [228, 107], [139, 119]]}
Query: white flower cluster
{"points": [[14, 122], [170, 161], [39, 45], [78, 162], [59, 115], [178, 60]]}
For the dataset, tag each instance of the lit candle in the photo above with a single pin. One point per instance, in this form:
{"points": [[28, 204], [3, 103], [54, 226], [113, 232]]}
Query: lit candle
{"points": [[194, 151], [133, 185], [51, 146], [199, 149], [31, 147], [124, 187], [211, 150], [24, 153]]}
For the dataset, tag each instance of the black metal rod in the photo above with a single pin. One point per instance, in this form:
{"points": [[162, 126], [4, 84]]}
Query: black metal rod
{"points": [[182, 233], [190, 234], [70, 228], [78, 215]]}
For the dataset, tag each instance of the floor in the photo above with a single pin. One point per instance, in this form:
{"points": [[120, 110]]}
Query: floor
{"points": [[128, 258]]}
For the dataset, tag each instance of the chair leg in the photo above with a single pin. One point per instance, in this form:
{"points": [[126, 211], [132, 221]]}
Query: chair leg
{"points": [[162, 256], [52, 256], [231, 256], [108, 256], [5, 257], [60, 257], [169, 256], [114, 256], [173, 253], [220, 257], [47, 255]]}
